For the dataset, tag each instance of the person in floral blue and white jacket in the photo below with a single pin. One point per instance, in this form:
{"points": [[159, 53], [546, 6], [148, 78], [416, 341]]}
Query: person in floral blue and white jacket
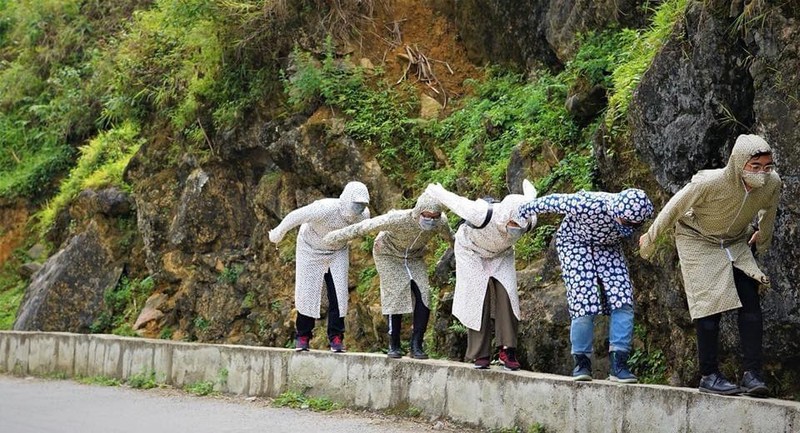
{"points": [[593, 266]]}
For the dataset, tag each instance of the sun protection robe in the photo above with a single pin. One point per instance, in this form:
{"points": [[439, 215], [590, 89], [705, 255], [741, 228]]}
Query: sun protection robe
{"points": [[712, 216], [589, 245], [483, 253], [314, 256], [398, 251]]}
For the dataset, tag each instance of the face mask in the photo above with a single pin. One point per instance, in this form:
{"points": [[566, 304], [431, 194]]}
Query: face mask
{"points": [[625, 231], [427, 223], [755, 179], [515, 232], [357, 208]]}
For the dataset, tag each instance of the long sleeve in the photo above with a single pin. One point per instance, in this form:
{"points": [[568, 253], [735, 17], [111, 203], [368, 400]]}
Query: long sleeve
{"points": [[444, 229], [473, 211], [367, 226], [676, 207], [766, 224], [552, 203], [293, 219]]}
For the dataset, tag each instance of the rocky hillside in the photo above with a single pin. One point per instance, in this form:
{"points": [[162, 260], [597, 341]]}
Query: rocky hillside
{"points": [[176, 134]]}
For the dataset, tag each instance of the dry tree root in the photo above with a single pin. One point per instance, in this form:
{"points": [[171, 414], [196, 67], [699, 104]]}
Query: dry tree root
{"points": [[424, 70]]}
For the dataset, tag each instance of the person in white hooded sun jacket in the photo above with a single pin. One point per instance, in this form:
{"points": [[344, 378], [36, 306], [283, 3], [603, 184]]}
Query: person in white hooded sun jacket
{"points": [[484, 252], [713, 218], [593, 267], [319, 263], [398, 252]]}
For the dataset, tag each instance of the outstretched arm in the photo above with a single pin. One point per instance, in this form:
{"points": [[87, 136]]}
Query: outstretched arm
{"points": [[552, 203], [293, 219], [353, 231], [473, 212], [677, 206]]}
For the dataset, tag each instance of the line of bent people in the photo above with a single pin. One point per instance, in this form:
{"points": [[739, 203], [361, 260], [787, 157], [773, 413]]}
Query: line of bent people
{"points": [[720, 218]]}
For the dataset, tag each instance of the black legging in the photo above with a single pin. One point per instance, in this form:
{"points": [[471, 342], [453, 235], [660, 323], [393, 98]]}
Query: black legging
{"points": [[305, 324], [421, 314], [751, 329]]}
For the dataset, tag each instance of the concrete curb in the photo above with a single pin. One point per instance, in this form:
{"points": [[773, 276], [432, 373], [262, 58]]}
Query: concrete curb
{"points": [[491, 398]]}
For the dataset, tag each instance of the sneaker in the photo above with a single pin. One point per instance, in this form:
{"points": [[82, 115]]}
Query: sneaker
{"points": [[716, 383], [337, 345], [619, 368], [753, 385], [508, 358], [482, 363], [301, 344], [583, 368]]}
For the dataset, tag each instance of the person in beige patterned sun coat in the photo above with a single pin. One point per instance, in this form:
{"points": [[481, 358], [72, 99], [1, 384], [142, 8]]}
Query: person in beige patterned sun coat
{"points": [[485, 272], [713, 218], [319, 263], [398, 252]]}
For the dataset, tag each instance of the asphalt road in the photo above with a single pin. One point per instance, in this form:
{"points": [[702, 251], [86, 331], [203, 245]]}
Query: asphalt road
{"points": [[30, 405]]}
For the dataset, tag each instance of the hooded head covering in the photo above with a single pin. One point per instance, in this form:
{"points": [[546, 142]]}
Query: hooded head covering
{"points": [[746, 146], [632, 205], [354, 192], [506, 210], [425, 202]]}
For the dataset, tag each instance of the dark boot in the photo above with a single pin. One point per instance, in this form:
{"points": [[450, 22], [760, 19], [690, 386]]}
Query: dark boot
{"points": [[395, 320], [416, 346], [583, 368], [716, 383], [394, 347], [619, 368]]}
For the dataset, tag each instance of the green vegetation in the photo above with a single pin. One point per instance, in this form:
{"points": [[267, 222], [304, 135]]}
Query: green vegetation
{"points": [[143, 380], [230, 275], [298, 400], [122, 305], [200, 388], [648, 363], [12, 289], [101, 164], [100, 380], [638, 55], [365, 279]]}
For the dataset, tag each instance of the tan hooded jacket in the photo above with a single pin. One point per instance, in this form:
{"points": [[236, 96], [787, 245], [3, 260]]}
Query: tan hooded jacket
{"points": [[398, 251], [712, 217]]}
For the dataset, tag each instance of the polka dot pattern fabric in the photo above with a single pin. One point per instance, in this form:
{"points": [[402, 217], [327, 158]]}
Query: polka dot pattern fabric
{"points": [[589, 245]]}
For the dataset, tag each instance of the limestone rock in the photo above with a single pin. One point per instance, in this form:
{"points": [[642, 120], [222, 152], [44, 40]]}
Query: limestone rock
{"points": [[67, 293]]}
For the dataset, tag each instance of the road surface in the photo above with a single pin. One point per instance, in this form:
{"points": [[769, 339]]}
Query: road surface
{"points": [[31, 405]]}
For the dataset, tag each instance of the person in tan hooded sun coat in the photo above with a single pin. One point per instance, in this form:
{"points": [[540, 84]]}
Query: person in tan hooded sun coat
{"points": [[398, 252], [713, 217]]}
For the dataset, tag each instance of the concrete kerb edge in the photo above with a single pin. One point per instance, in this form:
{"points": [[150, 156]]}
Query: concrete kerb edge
{"points": [[438, 388]]}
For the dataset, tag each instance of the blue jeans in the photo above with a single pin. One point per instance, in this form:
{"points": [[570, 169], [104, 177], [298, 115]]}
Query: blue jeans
{"points": [[620, 332]]}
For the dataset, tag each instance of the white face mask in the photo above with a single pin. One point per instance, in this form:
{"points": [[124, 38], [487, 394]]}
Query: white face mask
{"points": [[755, 179], [515, 232], [426, 223], [357, 208]]}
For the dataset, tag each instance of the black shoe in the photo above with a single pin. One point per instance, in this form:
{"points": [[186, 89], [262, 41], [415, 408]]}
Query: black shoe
{"points": [[716, 383], [416, 346], [752, 384]]}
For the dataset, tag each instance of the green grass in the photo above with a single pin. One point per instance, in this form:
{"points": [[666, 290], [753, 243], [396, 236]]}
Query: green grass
{"points": [[297, 400], [143, 380], [12, 289], [638, 56], [100, 380], [200, 388]]}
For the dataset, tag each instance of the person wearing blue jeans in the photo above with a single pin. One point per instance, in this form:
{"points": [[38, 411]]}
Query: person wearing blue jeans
{"points": [[589, 244]]}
